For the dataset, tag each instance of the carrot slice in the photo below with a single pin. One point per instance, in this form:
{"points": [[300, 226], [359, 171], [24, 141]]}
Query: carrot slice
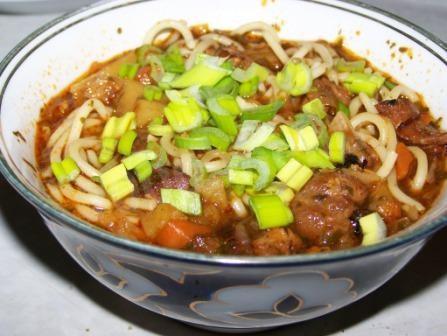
{"points": [[404, 161], [178, 233]]}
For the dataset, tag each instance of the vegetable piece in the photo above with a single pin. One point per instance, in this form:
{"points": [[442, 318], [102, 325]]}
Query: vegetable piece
{"points": [[266, 155], [178, 233], [216, 137], [373, 228], [249, 88], [320, 128], [126, 142], [358, 82], [315, 107], [275, 142], [389, 85], [116, 127], [317, 158], [162, 156], [303, 139], [226, 85], [295, 78], [193, 143], [66, 170], [247, 129], [198, 173], [143, 171], [116, 183], [223, 110], [185, 201], [337, 144], [152, 92], [346, 66], [166, 80], [264, 171], [343, 108], [282, 190], [157, 128], [262, 112], [135, 159], [244, 177], [128, 70], [254, 70], [184, 115], [257, 138], [107, 149], [200, 74], [172, 60], [294, 174], [405, 159], [270, 211]]}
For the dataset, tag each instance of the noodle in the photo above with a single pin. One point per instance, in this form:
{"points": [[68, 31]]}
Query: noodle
{"points": [[87, 212], [222, 39], [55, 192], [375, 119], [200, 48], [422, 169], [171, 24], [89, 186], [85, 198], [112, 163], [399, 194], [186, 162], [402, 90], [93, 158], [56, 151], [74, 153], [166, 143], [369, 103], [60, 130], [92, 122], [318, 69], [139, 203], [270, 36]]}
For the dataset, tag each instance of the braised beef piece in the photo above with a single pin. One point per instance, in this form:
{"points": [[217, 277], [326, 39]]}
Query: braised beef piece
{"points": [[399, 111], [238, 238], [278, 241], [164, 177], [101, 86], [292, 106], [382, 201], [329, 93], [322, 209], [206, 244]]}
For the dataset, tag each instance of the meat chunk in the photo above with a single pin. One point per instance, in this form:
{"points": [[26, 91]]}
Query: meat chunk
{"points": [[279, 241], [382, 201], [421, 134], [101, 86], [165, 177], [322, 210], [399, 111], [330, 94], [206, 244]]}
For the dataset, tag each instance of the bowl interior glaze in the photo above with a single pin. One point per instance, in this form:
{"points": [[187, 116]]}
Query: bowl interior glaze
{"points": [[50, 59]]}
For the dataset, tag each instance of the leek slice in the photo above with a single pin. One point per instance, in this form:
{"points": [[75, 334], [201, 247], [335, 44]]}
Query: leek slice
{"points": [[185, 201]]}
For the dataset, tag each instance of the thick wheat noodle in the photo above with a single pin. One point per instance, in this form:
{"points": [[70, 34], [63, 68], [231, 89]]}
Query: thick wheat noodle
{"points": [[85, 198], [238, 206], [83, 154], [46, 173], [92, 157], [62, 128], [55, 192], [270, 36], [418, 181], [318, 69], [56, 151], [87, 213], [186, 162], [167, 145], [392, 137], [375, 119], [112, 163], [200, 48], [222, 39], [89, 186], [92, 122], [170, 24], [332, 75], [399, 194], [74, 153], [387, 165], [324, 53], [139, 203], [354, 106], [369, 103], [292, 50], [399, 90], [303, 50]]}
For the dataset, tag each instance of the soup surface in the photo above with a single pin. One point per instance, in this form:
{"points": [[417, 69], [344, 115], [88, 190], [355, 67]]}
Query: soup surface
{"points": [[241, 143]]}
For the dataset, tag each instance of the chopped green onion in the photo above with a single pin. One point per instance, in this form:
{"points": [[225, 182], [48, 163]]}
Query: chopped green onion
{"points": [[166, 80], [107, 149], [345, 66], [265, 173], [266, 155], [337, 144], [216, 137], [262, 112], [256, 139], [303, 139], [193, 143], [172, 60], [162, 156], [143, 171], [128, 70], [116, 127], [343, 108], [184, 115], [66, 170], [249, 88], [254, 70], [185, 201], [282, 190], [315, 107], [226, 85], [198, 172], [152, 92], [135, 159], [295, 78], [358, 82], [275, 142], [317, 158], [373, 228], [294, 174], [244, 177], [389, 85], [202, 74], [238, 189], [270, 211], [156, 128], [235, 161], [247, 129], [303, 119], [280, 158], [126, 142], [116, 183], [223, 110]]}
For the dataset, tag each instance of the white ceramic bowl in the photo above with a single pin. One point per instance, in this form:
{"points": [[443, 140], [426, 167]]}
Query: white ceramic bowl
{"points": [[216, 292]]}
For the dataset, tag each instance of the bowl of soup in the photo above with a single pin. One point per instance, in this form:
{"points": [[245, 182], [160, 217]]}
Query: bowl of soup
{"points": [[234, 173]]}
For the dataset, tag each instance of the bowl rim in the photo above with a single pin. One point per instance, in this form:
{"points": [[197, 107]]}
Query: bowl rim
{"points": [[47, 209]]}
